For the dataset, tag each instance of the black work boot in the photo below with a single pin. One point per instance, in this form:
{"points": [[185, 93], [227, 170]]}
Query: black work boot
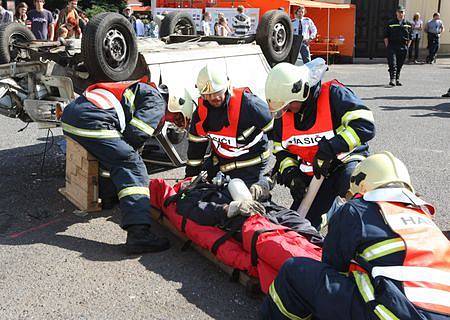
{"points": [[392, 83], [141, 240], [398, 83]]}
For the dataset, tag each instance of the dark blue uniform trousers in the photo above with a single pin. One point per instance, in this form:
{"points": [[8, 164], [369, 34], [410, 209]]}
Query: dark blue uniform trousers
{"points": [[306, 286], [127, 169]]}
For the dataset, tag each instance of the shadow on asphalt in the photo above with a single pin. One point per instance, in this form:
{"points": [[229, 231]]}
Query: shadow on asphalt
{"points": [[405, 98], [367, 85], [440, 111], [32, 211]]}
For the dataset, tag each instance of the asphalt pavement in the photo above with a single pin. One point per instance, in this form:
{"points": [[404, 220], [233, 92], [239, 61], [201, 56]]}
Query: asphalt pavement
{"points": [[57, 263]]}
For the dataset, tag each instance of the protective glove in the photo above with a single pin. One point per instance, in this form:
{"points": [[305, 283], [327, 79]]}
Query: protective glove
{"points": [[293, 179], [298, 189], [323, 159], [245, 208], [259, 192]]}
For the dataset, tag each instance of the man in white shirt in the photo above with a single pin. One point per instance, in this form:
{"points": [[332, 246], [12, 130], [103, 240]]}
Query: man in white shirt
{"points": [[304, 26], [6, 16], [206, 24]]}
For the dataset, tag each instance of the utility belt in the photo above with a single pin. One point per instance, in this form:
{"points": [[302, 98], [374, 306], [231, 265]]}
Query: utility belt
{"points": [[244, 163]]}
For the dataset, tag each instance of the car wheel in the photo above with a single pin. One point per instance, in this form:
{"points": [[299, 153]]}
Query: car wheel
{"points": [[179, 23], [10, 34], [275, 35], [109, 47]]}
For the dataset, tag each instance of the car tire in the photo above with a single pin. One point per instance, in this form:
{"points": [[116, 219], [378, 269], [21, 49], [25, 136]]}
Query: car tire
{"points": [[9, 33], [180, 23], [275, 35], [109, 47]]}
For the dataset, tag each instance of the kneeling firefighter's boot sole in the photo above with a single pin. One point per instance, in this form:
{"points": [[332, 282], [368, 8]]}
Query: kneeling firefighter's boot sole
{"points": [[141, 240]]}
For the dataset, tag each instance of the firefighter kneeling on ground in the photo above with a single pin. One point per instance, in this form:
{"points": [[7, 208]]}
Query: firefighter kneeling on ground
{"points": [[383, 257], [112, 121], [235, 123], [320, 129]]}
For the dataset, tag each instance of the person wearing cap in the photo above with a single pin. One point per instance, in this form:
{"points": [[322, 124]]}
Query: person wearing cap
{"points": [[113, 121], [235, 123], [128, 13], [397, 39], [320, 129], [383, 257]]}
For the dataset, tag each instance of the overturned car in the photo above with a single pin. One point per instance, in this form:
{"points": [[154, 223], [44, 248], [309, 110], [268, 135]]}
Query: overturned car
{"points": [[39, 78]]}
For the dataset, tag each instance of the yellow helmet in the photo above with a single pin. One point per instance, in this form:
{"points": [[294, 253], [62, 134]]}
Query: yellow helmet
{"points": [[379, 170], [212, 79], [287, 83], [181, 102]]}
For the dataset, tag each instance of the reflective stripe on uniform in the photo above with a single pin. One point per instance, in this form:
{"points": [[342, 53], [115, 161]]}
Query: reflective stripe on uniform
{"points": [[350, 136], [248, 132], [277, 147], [131, 191], [413, 274], [194, 163], [383, 248], [364, 286], [366, 290], [245, 163], [429, 296], [277, 300], [88, 133], [268, 126], [193, 138], [286, 163], [394, 25], [130, 96], [384, 313], [357, 114], [141, 125], [104, 99]]}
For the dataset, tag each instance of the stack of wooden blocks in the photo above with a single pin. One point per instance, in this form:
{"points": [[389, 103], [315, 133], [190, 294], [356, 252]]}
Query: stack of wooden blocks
{"points": [[82, 188]]}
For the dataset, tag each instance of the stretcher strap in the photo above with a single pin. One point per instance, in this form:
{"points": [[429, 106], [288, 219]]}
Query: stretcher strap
{"points": [[254, 253], [221, 241]]}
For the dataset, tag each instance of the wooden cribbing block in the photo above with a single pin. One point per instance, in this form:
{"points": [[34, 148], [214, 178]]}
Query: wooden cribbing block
{"points": [[81, 178]]}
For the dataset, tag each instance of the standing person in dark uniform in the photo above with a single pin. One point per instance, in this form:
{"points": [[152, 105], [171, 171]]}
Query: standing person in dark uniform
{"points": [[112, 121], [383, 257], [235, 123], [397, 38], [320, 129]]}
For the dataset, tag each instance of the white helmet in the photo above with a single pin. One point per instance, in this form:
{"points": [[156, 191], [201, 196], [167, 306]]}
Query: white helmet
{"points": [[286, 83], [379, 170], [182, 102], [212, 79]]}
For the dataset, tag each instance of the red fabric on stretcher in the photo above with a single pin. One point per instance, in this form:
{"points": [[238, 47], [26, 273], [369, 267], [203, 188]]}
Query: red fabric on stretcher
{"points": [[273, 248]]}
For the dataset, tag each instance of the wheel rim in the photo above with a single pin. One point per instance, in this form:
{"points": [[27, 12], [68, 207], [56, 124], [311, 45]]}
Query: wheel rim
{"points": [[115, 48], [184, 27], [14, 52], [279, 37]]}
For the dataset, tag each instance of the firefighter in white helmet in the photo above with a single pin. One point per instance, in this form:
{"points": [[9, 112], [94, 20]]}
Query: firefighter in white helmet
{"points": [[181, 105], [383, 256], [235, 123], [320, 129]]}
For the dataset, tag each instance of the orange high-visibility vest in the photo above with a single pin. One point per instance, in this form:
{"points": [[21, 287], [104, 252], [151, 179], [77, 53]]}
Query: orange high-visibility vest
{"points": [[425, 273], [225, 141], [304, 143], [107, 95]]}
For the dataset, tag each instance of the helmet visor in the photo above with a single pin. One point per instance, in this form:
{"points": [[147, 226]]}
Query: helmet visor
{"points": [[213, 96], [278, 114]]}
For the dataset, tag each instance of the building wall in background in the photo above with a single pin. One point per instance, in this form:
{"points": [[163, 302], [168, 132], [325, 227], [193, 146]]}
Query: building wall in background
{"points": [[426, 8]]}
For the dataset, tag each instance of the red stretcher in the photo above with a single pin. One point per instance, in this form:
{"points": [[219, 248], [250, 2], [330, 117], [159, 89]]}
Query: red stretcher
{"points": [[265, 245]]}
